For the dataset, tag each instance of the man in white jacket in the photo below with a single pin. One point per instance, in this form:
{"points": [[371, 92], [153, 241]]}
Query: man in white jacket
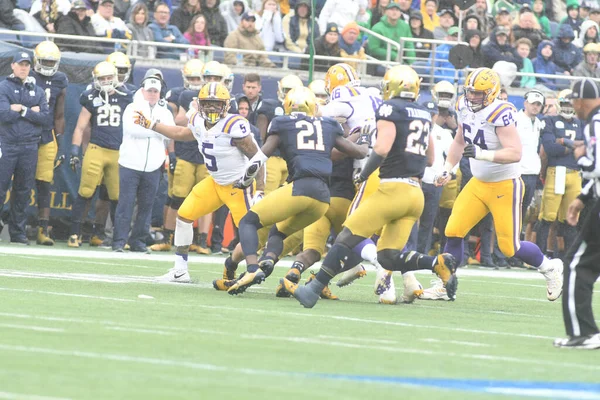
{"points": [[141, 156], [341, 12]]}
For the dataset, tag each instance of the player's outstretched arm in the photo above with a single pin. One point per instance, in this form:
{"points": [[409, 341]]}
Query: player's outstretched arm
{"points": [[511, 145], [179, 133]]}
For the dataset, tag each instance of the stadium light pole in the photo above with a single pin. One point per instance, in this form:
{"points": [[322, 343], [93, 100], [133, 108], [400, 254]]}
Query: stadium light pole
{"points": [[311, 47]]}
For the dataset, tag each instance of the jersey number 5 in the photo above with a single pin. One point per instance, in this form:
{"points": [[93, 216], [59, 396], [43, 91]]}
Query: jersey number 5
{"points": [[109, 115], [209, 159], [307, 130], [418, 137]]}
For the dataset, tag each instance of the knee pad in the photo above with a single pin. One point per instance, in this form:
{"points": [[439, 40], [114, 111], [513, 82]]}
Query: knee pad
{"points": [[251, 218], [43, 193], [386, 258], [103, 193], [184, 233], [176, 202]]}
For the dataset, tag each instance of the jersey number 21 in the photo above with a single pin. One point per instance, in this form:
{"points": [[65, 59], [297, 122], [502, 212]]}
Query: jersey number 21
{"points": [[306, 131]]}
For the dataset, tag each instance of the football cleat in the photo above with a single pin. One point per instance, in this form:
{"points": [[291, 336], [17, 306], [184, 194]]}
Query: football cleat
{"points": [[165, 246], [293, 275], [175, 275], [445, 269], [389, 295], [412, 288], [246, 280], [96, 241], [73, 241], [553, 272], [383, 281], [43, 238], [267, 266], [326, 292], [223, 284], [202, 246], [436, 292], [351, 275], [287, 285], [229, 269], [304, 294], [590, 342]]}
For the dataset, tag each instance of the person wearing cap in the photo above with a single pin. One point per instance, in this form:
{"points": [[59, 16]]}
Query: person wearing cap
{"points": [[297, 28], [24, 115], [327, 45], [76, 23], [141, 156], [165, 32], [583, 257], [422, 49], [350, 45], [342, 12], [233, 11], [566, 55], [505, 6], [106, 24], [499, 49], [447, 19], [588, 68], [247, 37], [393, 27], [528, 27], [573, 18], [594, 15]]}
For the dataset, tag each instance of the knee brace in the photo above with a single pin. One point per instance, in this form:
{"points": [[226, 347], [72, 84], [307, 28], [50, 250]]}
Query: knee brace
{"points": [[43, 193], [103, 193], [176, 202], [388, 259], [184, 233]]}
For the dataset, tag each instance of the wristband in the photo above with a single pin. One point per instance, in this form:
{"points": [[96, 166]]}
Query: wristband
{"points": [[448, 166], [486, 155]]}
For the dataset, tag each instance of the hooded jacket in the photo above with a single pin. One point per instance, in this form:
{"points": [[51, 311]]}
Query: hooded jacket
{"points": [[493, 52], [242, 39], [543, 20], [535, 35], [378, 48], [422, 49], [546, 66], [322, 48], [71, 25], [566, 55], [581, 40], [429, 23], [215, 24], [478, 57], [232, 18], [296, 30]]}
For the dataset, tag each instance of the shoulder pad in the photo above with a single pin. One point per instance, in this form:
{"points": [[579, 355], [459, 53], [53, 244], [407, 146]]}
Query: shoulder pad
{"points": [[502, 115], [344, 93], [236, 125]]}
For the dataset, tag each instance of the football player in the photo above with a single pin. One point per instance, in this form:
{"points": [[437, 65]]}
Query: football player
{"points": [[46, 59], [443, 94], [402, 151], [317, 86], [123, 65], [226, 143], [306, 143], [102, 109], [560, 135], [488, 136]]}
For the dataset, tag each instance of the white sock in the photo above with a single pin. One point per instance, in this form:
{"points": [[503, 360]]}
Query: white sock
{"points": [[369, 253], [181, 262]]}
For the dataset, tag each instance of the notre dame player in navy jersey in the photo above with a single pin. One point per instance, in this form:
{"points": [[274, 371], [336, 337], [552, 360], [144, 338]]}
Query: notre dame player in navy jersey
{"points": [[402, 151], [305, 142], [101, 107], [46, 59]]}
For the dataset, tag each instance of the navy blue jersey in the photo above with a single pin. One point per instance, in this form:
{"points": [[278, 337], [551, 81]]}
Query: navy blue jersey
{"points": [[172, 95], [187, 151], [107, 126], [556, 127], [342, 184], [407, 156], [270, 108], [186, 97], [52, 86]]}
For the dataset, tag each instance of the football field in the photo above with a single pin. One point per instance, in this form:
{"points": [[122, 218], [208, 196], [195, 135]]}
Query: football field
{"points": [[93, 325]]}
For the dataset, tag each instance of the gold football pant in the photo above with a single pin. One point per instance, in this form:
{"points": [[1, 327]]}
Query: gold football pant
{"points": [[100, 165], [555, 206]]}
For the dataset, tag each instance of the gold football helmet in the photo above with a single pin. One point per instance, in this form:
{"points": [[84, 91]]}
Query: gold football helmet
{"points": [[300, 100], [563, 104], [228, 77], [123, 65], [286, 84], [400, 81], [318, 88], [213, 102], [443, 93], [192, 74], [105, 77], [46, 58], [213, 72], [340, 75], [482, 87]]}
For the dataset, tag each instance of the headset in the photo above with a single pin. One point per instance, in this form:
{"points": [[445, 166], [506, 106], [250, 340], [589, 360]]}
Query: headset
{"points": [[535, 91]]}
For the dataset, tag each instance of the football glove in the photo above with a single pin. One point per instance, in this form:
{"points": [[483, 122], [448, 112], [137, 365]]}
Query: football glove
{"points": [[246, 180], [358, 179], [366, 134], [75, 163], [470, 151], [59, 160], [442, 179], [141, 120], [172, 162]]}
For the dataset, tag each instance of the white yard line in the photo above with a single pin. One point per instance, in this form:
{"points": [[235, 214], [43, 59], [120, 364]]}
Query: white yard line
{"points": [[458, 342], [19, 396], [136, 330], [32, 328]]}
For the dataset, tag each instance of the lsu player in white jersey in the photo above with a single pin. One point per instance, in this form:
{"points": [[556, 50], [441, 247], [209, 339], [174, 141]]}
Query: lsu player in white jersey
{"points": [[487, 135], [227, 143], [355, 106]]}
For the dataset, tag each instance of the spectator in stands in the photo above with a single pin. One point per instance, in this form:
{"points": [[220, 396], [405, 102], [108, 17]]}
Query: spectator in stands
{"points": [[447, 20], [138, 25], [539, 10], [7, 16], [442, 69], [523, 47], [474, 37], [504, 18], [573, 17], [594, 15], [92, 6], [165, 33], [480, 10], [48, 12], [405, 9], [76, 23], [422, 49], [499, 49], [472, 22], [246, 37], [589, 66], [350, 46], [394, 28], [296, 28], [122, 9], [588, 33], [217, 27], [106, 24], [503, 95], [271, 29], [566, 55], [528, 27], [233, 12], [341, 12], [151, 4], [197, 33], [244, 110], [326, 45], [377, 12], [543, 64], [183, 15], [429, 12], [504, 5]]}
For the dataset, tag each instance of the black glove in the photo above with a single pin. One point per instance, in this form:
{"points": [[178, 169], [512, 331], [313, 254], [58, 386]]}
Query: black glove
{"points": [[172, 162], [470, 151], [358, 179], [246, 180], [366, 134], [74, 161]]}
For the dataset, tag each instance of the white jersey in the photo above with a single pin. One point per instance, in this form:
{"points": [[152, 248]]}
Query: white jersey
{"points": [[479, 128], [354, 104], [224, 161], [529, 131], [442, 139]]}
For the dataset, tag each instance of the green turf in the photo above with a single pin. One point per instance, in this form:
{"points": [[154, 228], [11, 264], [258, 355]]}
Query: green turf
{"points": [[193, 342]]}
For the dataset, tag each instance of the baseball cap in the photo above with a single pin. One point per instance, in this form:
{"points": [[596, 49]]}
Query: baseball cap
{"points": [[393, 5], [585, 89], [153, 73], [21, 56], [453, 30], [446, 11], [503, 10], [152, 83], [248, 15], [501, 30], [78, 5], [534, 96], [416, 15]]}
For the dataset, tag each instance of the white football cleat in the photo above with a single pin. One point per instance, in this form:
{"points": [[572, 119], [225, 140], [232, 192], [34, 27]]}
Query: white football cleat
{"points": [[389, 296], [553, 272], [412, 287], [175, 275], [351, 275], [384, 281], [436, 292]]}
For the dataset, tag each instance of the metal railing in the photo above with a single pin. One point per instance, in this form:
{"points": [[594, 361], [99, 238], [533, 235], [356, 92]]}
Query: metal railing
{"points": [[389, 43]]}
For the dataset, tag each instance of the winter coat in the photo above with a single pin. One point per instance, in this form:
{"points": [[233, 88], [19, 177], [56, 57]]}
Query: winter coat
{"points": [[422, 49], [341, 12], [566, 55], [231, 17], [7, 17], [143, 33], [443, 69], [378, 48], [584, 70], [478, 58], [242, 39], [160, 33], [527, 81], [70, 25], [271, 29], [546, 66], [493, 52], [581, 40], [182, 18], [296, 30], [215, 24], [535, 35], [323, 49]]}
